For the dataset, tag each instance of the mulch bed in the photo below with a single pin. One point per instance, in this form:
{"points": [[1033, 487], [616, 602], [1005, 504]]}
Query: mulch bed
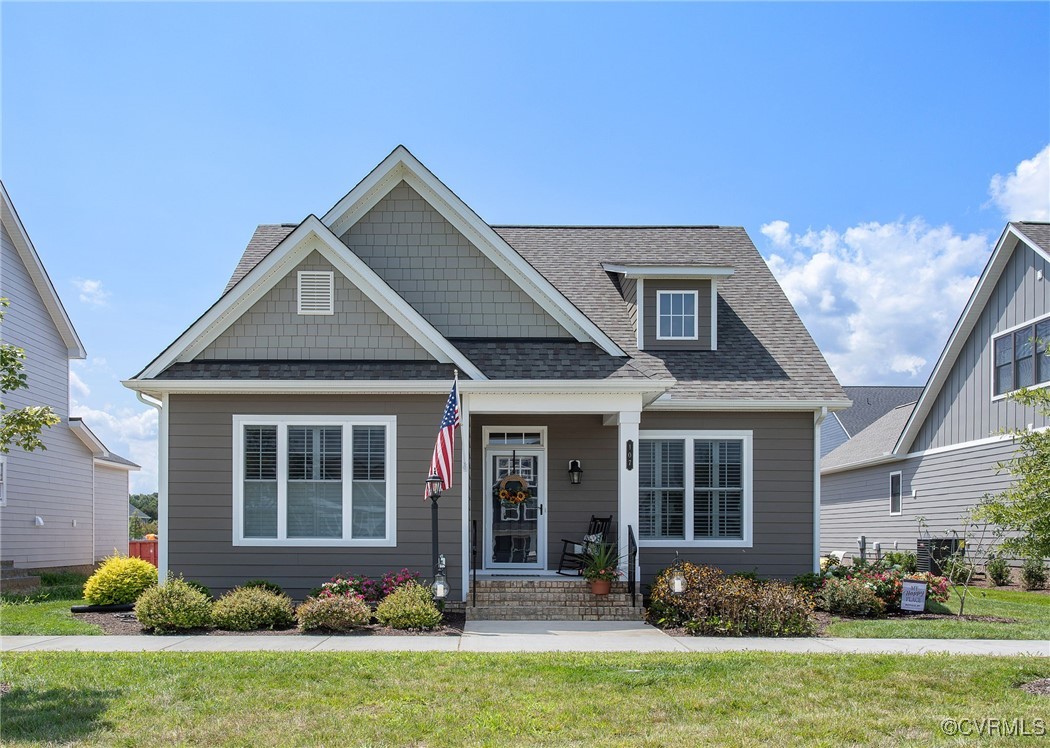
{"points": [[124, 624], [1039, 687]]}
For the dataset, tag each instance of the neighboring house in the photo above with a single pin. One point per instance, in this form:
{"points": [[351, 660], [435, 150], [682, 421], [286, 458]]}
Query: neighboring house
{"points": [[135, 513], [869, 405], [936, 458], [298, 414], [66, 505]]}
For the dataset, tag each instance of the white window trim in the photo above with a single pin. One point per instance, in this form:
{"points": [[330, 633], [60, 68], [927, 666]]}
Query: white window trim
{"points": [[746, 437], [991, 355], [696, 314], [900, 476], [282, 422], [317, 274], [3, 480]]}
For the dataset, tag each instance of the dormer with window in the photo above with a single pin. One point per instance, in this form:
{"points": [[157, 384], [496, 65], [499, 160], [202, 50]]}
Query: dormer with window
{"points": [[673, 307]]}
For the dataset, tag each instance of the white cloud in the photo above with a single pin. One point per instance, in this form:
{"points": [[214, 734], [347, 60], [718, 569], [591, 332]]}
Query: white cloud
{"points": [[880, 299], [77, 385], [1024, 194], [131, 433], [91, 291]]}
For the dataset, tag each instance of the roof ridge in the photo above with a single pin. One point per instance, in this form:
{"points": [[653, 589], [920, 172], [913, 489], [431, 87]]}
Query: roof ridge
{"points": [[608, 226]]}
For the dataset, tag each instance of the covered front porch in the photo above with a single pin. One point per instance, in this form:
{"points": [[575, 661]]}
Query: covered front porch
{"points": [[520, 502]]}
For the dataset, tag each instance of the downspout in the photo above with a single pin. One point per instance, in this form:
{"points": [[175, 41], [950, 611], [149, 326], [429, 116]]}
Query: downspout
{"points": [[162, 481], [818, 420]]}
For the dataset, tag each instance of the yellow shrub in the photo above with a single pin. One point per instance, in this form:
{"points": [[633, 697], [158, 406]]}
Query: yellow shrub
{"points": [[119, 580]]}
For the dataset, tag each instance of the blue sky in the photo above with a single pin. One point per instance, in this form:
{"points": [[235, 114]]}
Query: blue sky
{"points": [[857, 144]]}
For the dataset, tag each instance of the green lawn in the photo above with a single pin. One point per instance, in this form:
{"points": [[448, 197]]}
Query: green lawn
{"points": [[1031, 609], [445, 699], [42, 618]]}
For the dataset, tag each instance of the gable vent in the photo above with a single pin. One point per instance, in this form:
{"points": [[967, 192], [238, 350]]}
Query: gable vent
{"points": [[316, 292]]}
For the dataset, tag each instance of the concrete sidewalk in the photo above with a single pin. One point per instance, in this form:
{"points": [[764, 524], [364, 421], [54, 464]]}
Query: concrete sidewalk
{"points": [[522, 636]]}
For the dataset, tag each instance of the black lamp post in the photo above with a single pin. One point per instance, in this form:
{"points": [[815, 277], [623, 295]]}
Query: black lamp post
{"points": [[434, 493]]}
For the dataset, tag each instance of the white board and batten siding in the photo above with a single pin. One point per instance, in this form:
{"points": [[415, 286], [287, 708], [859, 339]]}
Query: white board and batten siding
{"points": [[56, 484], [111, 510]]}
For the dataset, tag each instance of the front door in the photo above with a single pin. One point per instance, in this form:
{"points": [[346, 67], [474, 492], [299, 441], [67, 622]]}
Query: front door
{"points": [[515, 510]]}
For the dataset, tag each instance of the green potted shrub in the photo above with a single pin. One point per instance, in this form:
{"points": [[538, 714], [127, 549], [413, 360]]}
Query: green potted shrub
{"points": [[600, 568]]}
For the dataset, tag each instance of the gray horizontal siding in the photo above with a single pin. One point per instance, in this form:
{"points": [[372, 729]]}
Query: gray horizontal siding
{"points": [[272, 329], [649, 317], [782, 500], [441, 274], [111, 511], [55, 484], [200, 503], [963, 410], [946, 484]]}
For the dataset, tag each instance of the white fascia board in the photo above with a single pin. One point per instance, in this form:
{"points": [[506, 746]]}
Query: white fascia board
{"points": [[508, 387], [993, 270], [666, 403], [275, 266], [103, 462], [402, 165], [41, 280], [92, 442], [668, 271]]}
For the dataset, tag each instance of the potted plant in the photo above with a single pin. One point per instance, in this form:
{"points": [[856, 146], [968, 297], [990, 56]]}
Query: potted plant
{"points": [[600, 567]]}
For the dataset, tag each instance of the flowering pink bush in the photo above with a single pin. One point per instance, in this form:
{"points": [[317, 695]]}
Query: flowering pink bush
{"points": [[368, 589], [887, 584]]}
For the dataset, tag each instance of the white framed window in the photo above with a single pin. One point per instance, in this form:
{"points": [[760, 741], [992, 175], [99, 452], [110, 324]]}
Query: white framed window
{"points": [[314, 480], [3, 480], [695, 488], [1019, 358], [676, 315], [316, 292], [895, 492]]}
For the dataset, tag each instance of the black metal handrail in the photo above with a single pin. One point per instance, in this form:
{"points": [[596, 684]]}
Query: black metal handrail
{"points": [[474, 561], [632, 558]]}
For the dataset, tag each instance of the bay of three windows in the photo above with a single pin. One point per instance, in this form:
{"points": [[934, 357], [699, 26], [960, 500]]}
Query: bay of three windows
{"points": [[1020, 358], [324, 481]]}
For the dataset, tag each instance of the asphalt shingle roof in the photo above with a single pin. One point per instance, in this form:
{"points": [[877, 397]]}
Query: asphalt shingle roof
{"points": [[872, 403], [1038, 232], [764, 350], [875, 441]]}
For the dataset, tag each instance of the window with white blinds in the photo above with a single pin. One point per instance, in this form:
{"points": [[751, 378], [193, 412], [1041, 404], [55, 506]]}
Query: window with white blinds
{"points": [[695, 488], [314, 480]]}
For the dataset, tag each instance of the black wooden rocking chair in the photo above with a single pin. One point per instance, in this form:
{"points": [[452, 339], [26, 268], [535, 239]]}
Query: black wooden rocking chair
{"points": [[574, 552]]}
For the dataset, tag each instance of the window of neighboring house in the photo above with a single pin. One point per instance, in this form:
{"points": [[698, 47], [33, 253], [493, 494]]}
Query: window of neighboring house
{"points": [[695, 488], [314, 480], [1020, 357], [676, 315], [3, 480], [316, 292], [895, 493]]}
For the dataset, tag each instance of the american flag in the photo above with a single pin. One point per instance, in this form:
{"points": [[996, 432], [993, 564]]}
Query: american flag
{"points": [[441, 464]]}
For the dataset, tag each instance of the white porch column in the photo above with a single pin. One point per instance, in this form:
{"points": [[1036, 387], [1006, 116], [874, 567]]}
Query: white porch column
{"points": [[464, 453], [627, 500]]}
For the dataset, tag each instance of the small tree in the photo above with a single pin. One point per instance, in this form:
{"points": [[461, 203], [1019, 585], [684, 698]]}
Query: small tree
{"points": [[1023, 510], [20, 427]]}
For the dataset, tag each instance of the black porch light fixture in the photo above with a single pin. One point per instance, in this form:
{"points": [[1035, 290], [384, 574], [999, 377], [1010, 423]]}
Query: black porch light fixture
{"points": [[678, 581], [575, 472]]}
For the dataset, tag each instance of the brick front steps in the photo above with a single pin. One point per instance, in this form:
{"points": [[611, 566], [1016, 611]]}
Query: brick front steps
{"points": [[549, 600]]}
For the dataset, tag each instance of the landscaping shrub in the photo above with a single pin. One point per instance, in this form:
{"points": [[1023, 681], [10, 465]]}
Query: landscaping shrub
{"points": [[264, 584], [1033, 574], [410, 606], [809, 581], [200, 587], [251, 608], [735, 605], [998, 571], [851, 597], [956, 569], [333, 613], [902, 560], [371, 590], [174, 606], [119, 581]]}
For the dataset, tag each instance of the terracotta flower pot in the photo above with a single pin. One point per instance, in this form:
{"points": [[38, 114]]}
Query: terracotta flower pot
{"points": [[601, 586]]}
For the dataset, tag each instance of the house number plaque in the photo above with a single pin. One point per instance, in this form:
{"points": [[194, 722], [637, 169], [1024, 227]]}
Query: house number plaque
{"points": [[630, 454]]}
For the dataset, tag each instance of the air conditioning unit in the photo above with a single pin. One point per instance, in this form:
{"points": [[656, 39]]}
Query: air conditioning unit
{"points": [[930, 552]]}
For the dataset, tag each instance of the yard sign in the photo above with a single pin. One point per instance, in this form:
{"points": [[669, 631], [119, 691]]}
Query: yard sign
{"points": [[913, 596]]}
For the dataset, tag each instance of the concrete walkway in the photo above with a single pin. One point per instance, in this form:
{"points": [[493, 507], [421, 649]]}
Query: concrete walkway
{"points": [[522, 636]]}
